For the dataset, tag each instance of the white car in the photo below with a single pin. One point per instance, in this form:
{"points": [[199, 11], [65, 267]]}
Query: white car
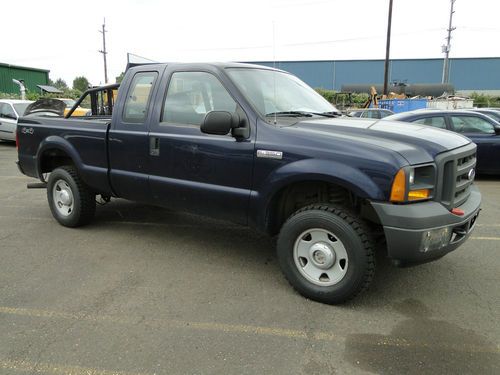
{"points": [[10, 111]]}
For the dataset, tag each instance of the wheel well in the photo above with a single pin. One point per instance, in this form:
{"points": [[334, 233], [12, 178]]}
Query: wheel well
{"points": [[53, 158], [301, 194]]}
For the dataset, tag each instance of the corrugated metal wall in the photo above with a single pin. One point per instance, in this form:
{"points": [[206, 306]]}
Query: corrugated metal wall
{"points": [[465, 73], [31, 77]]}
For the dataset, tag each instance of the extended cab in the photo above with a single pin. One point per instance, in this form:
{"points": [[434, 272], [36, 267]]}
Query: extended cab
{"points": [[258, 147]]}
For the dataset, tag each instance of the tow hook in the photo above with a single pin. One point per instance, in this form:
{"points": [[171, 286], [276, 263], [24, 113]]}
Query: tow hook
{"points": [[460, 231]]}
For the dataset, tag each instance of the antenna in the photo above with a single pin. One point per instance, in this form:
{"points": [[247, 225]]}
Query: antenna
{"points": [[103, 51], [274, 73]]}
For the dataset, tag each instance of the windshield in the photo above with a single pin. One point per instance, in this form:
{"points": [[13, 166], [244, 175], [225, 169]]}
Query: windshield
{"points": [[276, 92], [21, 108]]}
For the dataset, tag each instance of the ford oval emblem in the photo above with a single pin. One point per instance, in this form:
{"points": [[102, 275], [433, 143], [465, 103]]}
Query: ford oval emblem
{"points": [[471, 174]]}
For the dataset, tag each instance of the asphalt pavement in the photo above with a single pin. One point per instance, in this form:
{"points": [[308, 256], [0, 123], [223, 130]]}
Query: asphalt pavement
{"points": [[144, 290]]}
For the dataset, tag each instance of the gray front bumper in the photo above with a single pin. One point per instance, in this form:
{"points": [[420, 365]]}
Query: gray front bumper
{"points": [[406, 225]]}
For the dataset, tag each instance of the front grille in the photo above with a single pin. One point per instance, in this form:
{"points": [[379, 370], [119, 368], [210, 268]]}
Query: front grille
{"points": [[454, 169]]}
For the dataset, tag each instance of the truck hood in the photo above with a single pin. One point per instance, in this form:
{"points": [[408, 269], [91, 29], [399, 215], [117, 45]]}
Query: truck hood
{"points": [[416, 143]]}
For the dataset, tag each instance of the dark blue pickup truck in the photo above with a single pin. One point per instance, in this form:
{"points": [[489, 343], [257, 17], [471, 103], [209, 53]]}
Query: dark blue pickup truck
{"points": [[258, 147]]}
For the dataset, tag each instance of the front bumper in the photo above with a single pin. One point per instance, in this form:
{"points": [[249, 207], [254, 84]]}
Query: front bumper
{"points": [[421, 232]]}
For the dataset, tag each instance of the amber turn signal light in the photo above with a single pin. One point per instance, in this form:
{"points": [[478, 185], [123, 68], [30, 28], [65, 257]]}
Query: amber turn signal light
{"points": [[399, 187]]}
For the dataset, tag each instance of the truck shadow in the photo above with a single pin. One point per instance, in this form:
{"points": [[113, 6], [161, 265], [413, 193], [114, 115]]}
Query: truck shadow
{"points": [[194, 236], [487, 177], [207, 239], [7, 144]]}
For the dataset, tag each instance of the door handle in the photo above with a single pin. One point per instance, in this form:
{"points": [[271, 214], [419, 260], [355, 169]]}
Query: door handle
{"points": [[154, 146]]}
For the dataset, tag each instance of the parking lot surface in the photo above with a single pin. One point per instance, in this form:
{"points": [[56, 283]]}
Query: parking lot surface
{"points": [[143, 290]]}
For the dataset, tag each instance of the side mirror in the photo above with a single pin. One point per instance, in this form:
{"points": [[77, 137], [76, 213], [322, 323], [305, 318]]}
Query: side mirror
{"points": [[219, 122], [497, 130]]}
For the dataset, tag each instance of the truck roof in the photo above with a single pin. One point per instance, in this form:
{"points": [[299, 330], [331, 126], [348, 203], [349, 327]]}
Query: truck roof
{"points": [[220, 65]]}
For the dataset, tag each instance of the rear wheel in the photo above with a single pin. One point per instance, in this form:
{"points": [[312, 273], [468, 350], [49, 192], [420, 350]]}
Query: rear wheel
{"points": [[70, 200], [326, 253]]}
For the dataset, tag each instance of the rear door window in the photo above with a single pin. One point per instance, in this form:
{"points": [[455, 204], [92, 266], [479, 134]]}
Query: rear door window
{"points": [[6, 111], [435, 121], [471, 124], [384, 113]]}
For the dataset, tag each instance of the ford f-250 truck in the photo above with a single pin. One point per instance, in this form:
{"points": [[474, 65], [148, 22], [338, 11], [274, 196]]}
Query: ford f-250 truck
{"points": [[258, 147]]}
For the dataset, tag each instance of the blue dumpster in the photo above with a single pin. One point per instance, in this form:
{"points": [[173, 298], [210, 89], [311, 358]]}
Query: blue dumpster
{"points": [[402, 105]]}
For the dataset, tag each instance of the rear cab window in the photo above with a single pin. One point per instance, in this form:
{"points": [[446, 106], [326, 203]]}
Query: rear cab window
{"points": [[138, 97]]}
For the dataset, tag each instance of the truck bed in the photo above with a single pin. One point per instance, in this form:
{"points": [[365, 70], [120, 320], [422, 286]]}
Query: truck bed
{"points": [[87, 135]]}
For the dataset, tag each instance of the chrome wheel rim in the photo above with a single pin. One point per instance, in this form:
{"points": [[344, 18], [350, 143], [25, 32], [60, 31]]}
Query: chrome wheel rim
{"points": [[63, 198], [320, 257]]}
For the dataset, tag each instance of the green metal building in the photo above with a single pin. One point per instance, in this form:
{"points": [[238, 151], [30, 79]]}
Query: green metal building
{"points": [[30, 76]]}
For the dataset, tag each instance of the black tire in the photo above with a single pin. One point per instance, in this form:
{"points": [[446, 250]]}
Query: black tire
{"points": [[356, 239], [83, 207]]}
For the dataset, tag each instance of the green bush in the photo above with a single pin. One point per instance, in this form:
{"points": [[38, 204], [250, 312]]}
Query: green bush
{"points": [[343, 100], [329, 95], [360, 99], [4, 95], [482, 100]]}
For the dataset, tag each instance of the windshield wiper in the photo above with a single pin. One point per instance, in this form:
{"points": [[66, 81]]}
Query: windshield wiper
{"points": [[325, 114], [303, 114], [290, 114]]}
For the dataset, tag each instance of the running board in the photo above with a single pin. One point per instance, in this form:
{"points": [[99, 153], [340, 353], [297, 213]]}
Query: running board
{"points": [[37, 185]]}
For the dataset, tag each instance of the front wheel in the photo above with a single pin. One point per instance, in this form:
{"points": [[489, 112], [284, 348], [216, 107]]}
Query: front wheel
{"points": [[326, 253], [71, 202]]}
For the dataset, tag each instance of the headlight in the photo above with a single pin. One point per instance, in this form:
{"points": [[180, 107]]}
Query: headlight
{"points": [[413, 184]]}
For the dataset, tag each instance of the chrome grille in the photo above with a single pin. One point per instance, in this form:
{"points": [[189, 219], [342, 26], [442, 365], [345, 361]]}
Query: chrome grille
{"points": [[453, 182], [462, 181]]}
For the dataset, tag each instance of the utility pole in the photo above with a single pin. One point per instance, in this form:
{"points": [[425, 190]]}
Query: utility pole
{"points": [[103, 51], [446, 48], [387, 49]]}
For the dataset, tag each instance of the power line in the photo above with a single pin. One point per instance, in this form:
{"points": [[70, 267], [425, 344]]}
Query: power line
{"points": [[333, 41]]}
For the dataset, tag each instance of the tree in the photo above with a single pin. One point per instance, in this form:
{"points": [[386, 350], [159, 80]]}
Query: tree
{"points": [[119, 79], [60, 84], [81, 83]]}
